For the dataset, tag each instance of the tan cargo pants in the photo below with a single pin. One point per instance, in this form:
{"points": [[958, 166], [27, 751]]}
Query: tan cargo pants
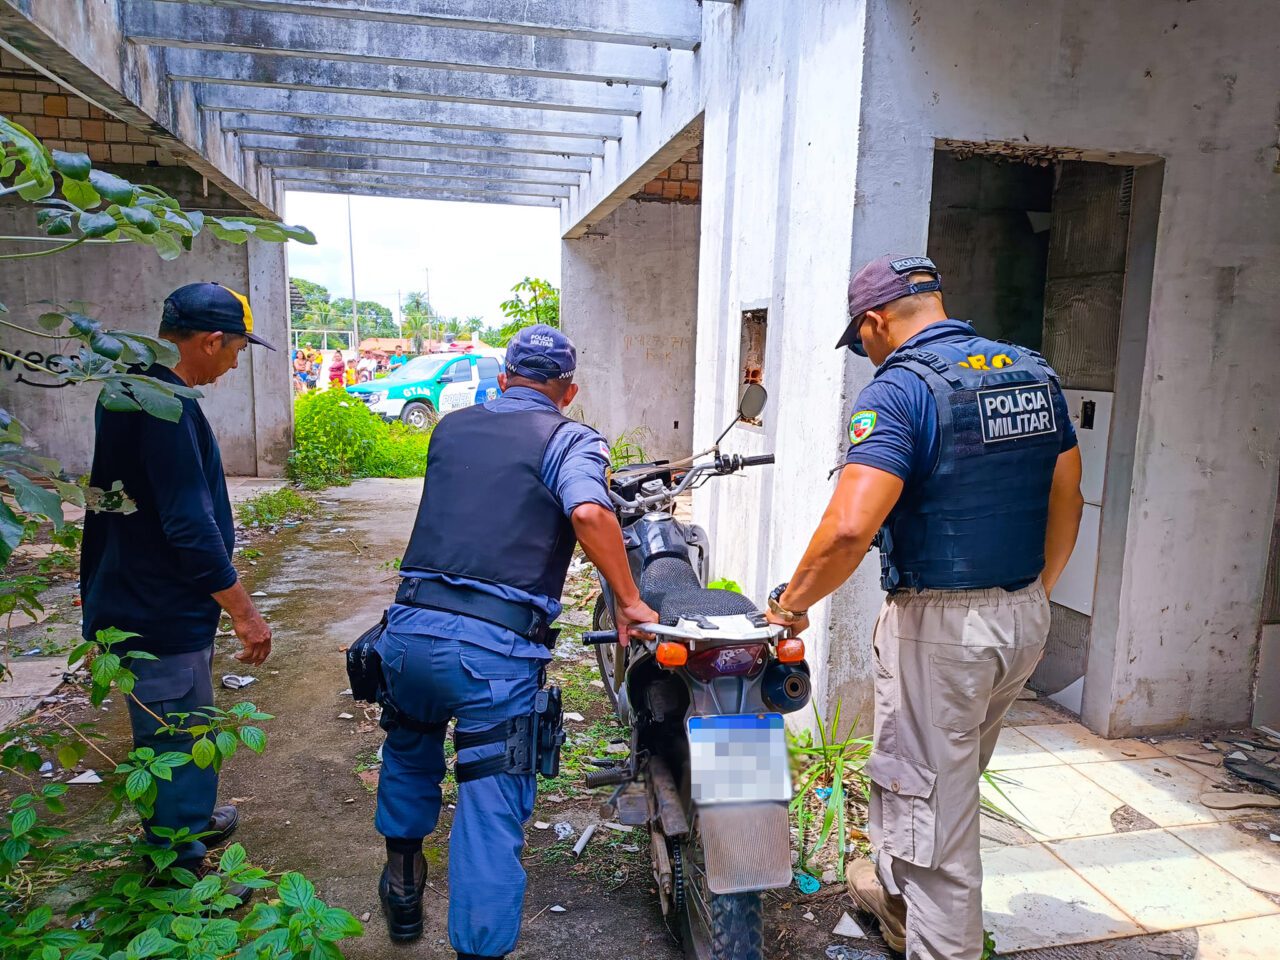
{"points": [[948, 666]]}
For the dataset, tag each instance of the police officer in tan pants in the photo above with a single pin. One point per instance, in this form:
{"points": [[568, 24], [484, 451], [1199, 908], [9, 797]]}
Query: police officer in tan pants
{"points": [[963, 469]]}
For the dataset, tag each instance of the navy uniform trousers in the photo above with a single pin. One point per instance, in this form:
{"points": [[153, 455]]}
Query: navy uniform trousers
{"points": [[433, 679], [176, 683]]}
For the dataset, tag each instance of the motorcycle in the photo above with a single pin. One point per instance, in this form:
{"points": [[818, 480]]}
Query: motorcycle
{"points": [[708, 773]]}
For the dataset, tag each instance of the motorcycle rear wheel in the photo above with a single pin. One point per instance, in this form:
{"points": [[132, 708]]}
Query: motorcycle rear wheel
{"points": [[717, 926]]}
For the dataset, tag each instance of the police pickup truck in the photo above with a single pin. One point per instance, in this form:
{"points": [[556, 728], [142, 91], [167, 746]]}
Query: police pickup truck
{"points": [[425, 388]]}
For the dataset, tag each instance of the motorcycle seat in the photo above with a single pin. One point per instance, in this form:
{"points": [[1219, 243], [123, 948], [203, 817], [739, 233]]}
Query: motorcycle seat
{"points": [[671, 587]]}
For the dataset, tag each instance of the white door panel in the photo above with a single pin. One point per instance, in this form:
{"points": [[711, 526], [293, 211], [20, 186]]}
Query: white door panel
{"points": [[1074, 588]]}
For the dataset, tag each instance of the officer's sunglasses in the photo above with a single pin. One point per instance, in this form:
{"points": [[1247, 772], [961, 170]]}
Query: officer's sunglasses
{"points": [[856, 343]]}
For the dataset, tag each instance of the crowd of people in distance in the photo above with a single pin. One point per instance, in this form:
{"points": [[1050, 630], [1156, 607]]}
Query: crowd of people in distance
{"points": [[312, 371]]}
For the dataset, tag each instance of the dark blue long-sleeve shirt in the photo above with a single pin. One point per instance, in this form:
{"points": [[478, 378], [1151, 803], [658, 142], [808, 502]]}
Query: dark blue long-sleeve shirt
{"points": [[152, 572]]}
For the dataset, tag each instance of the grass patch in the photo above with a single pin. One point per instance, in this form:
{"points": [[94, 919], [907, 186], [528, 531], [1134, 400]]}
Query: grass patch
{"points": [[275, 506], [338, 439]]}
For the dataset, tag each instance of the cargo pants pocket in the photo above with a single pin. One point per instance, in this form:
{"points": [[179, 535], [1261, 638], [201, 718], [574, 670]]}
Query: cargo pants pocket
{"points": [[960, 692], [908, 816]]}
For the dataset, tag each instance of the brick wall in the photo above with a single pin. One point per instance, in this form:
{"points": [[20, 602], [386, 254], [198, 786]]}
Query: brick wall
{"points": [[65, 122], [679, 183]]}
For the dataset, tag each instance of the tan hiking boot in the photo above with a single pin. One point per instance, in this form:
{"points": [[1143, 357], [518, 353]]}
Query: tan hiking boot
{"points": [[869, 895]]}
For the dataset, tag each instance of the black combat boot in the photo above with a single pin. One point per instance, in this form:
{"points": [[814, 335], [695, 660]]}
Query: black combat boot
{"points": [[404, 880]]}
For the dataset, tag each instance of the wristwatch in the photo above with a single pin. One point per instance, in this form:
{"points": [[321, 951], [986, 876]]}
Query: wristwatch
{"points": [[778, 610]]}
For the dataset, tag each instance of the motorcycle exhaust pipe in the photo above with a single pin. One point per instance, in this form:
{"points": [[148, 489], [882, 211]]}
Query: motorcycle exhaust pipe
{"points": [[785, 686]]}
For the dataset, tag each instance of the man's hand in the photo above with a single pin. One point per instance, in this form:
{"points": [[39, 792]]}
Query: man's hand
{"points": [[255, 636], [636, 612], [796, 627]]}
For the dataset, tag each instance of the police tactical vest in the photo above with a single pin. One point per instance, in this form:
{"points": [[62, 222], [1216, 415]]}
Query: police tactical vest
{"points": [[485, 512], [978, 519]]}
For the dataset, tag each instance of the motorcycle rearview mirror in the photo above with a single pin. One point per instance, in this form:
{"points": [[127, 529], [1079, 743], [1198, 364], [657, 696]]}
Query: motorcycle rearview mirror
{"points": [[750, 405]]}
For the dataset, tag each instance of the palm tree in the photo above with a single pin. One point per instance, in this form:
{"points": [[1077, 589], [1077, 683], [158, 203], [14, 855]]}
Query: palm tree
{"points": [[416, 325]]}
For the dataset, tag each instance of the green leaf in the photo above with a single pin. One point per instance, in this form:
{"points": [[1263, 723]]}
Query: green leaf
{"points": [[115, 189], [69, 755], [155, 399], [14, 849], [51, 320], [141, 218], [50, 952], [33, 186], [11, 529], [296, 890], [56, 223], [104, 669], [264, 916], [81, 194], [35, 499], [139, 782], [226, 743], [73, 166], [253, 738], [23, 821], [147, 944], [162, 772], [97, 224], [231, 231], [106, 345], [203, 752], [53, 790], [232, 858], [185, 928], [166, 244]]}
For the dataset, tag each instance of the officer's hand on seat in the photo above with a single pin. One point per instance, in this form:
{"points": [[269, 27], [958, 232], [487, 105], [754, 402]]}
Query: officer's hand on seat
{"points": [[796, 627], [255, 636], [632, 613]]}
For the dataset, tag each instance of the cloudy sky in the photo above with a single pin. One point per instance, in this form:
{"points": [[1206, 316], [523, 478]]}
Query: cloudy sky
{"points": [[475, 252]]}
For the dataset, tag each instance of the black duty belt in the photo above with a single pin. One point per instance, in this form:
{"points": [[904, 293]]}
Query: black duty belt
{"points": [[519, 618]]}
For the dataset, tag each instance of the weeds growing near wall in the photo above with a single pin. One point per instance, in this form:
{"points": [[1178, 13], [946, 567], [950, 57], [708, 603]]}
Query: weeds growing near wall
{"points": [[338, 439], [275, 506]]}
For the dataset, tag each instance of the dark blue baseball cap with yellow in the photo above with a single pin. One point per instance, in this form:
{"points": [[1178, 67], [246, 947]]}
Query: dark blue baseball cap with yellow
{"points": [[211, 307], [541, 353]]}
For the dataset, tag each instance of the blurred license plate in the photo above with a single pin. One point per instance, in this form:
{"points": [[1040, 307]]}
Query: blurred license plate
{"points": [[738, 758]]}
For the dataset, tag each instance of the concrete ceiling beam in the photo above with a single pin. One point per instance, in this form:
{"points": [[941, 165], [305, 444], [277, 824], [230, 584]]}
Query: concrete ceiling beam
{"points": [[282, 145], [379, 133], [674, 24], [356, 107], [420, 181], [328, 37], [413, 193], [411, 167], [416, 83]]}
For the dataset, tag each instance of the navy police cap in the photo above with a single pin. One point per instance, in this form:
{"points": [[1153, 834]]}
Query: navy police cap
{"points": [[211, 307], [541, 353]]}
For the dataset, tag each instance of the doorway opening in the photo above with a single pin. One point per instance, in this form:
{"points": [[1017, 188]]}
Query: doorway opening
{"points": [[1038, 251]]}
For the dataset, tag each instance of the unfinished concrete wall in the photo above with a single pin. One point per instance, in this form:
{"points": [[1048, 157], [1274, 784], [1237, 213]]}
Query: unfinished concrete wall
{"points": [[781, 85], [629, 296], [1175, 643], [125, 286]]}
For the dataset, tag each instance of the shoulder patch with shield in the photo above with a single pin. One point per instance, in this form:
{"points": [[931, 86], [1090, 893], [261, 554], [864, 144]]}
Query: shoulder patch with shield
{"points": [[860, 425]]}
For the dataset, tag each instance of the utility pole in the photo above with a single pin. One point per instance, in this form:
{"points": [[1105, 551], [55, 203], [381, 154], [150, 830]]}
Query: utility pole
{"points": [[351, 252], [431, 309]]}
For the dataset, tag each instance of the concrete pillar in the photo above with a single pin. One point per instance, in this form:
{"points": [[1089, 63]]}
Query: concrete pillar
{"points": [[125, 286], [629, 301]]}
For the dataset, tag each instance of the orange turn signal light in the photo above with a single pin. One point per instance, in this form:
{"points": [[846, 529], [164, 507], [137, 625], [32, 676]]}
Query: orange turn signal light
{"points": [[672, 654], [791, 650]]}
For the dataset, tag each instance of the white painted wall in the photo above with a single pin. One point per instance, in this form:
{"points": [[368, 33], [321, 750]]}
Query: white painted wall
{"points": [[781, 85], [1170, 80], [629, 300]]}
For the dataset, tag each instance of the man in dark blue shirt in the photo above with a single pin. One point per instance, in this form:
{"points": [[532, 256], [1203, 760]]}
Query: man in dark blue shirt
{"points": [[964, 468], [164, 571]]}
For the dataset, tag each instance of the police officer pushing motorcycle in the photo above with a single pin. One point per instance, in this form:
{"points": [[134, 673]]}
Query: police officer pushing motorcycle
{"points": [[511, 486], [963, 468]]}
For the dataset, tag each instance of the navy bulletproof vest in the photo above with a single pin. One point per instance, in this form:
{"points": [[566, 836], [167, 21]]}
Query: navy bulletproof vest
{"points": [[978, 519], [485, 512]]}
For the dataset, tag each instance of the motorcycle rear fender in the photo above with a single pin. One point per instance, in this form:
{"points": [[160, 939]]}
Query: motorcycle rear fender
{"points": [[746, 846]]}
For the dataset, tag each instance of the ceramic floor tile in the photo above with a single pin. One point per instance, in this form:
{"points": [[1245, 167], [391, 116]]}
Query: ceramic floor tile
{"points": [[1032, 899], [1074, 743], [1253, 860], [1055, 802], [1016, 751], [1164, 790], [1254, 939], [1161, 882]]}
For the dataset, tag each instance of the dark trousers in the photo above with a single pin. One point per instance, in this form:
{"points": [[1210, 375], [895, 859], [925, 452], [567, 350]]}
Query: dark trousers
{"points": [[176, 683]]}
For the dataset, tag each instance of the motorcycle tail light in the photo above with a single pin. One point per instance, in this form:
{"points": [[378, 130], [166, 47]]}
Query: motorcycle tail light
{"points": [[672, 654], [791, 650], [737, 661]]}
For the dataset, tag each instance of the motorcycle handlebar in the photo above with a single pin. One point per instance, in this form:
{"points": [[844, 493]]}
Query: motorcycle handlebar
{"points": [[596, 637], [762, 460]]}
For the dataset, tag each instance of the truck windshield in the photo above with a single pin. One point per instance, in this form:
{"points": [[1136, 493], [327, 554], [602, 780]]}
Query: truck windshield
{"points": [[419, 368]]}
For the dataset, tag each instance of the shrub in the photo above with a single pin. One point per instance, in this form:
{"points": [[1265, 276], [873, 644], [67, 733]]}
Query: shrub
{"points": [[338, 439], [275, 506]]}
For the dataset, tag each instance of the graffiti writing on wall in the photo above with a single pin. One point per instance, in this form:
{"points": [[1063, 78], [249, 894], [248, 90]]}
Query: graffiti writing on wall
{"points": [[55, 362]]}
